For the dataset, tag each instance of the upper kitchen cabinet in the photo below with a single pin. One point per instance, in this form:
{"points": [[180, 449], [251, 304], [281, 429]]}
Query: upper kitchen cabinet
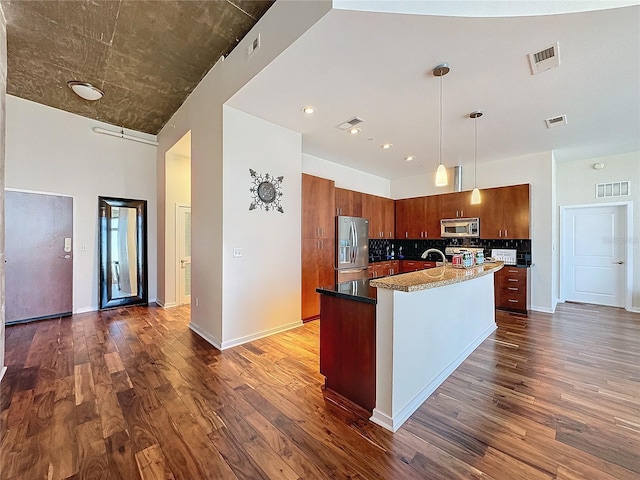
{"points": [[381, 214], [458, 205], [318, 207], [349, 203], [505, 212], [418, 217]]}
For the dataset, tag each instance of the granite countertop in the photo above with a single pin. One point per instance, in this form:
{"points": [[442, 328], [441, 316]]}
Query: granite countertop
{"points": [[357, 290], [434, 277]]}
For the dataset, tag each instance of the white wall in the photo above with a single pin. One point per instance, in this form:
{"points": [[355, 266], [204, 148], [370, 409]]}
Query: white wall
{"points": [[178, 192], [576, 186], [346, 177], [202, 114], [537, 170], [261, 289], [53, 151]]}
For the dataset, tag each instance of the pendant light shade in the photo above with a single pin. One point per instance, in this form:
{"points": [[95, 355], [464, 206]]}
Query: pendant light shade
{"points": [[441, 172], [475, 195]]}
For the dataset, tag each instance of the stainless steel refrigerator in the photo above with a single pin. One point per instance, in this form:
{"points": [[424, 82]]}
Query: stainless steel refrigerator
{"points": [[352, 248]]}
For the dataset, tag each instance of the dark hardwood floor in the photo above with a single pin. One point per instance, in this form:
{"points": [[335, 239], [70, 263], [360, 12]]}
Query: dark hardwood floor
{"points": [[133, 393]]}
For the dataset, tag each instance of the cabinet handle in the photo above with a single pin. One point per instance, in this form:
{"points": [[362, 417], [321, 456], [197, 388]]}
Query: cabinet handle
{"points": [[512, 279], [500, 234], [512, 301], [426, 234], [406, 234], [512, 271], [512, 288], [462, 213], [506, 233]]}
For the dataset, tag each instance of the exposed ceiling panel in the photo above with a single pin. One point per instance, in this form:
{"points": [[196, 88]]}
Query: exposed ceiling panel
{"points": [[147, 56]]}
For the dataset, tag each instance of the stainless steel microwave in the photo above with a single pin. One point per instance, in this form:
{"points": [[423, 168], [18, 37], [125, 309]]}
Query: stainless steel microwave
{"points": [[460, 227]]}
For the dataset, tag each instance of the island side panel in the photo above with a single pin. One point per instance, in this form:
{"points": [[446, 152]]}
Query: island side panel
{"points": [[431, 332], [348, 349]]}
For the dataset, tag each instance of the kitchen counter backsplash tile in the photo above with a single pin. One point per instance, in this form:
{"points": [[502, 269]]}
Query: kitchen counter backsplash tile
{"points": [[412, 249]]}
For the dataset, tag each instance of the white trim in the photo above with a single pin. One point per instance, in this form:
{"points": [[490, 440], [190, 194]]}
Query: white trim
{"points": [[543, 309], [166, 305], [23, 190], [256, 336], [628, 250], [85, 310], [2, 372], [202, 333], [395, 422], [635, 310]]}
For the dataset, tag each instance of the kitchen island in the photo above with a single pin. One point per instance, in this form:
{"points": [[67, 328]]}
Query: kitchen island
{"points": [[425, 324]]}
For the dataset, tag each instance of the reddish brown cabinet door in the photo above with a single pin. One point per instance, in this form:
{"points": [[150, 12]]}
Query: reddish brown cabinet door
{"points": [[318, 207], [491, 220], [458, 205], [410, 218], [39, 256], [505, 212], [432, 215], [389, 215], [349, 203]]}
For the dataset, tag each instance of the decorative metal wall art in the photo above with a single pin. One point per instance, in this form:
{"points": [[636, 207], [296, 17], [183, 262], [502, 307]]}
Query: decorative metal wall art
{"points": [[266, 192]]}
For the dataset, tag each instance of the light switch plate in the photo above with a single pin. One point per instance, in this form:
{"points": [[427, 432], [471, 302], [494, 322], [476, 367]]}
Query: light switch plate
{"points": [[67, 244], [237, 252]]}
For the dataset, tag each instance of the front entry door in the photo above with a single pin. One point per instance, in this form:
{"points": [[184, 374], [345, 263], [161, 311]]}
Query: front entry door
{"points": [[593, 255], [184, 254], [39, 256]]}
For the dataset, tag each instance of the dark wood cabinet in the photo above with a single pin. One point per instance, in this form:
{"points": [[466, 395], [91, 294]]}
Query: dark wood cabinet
{"points": [[418, 217], [318, 241], [505, 212], [383, 269], [381, 214], [318, 207], [512, 289], [458, 205], [348, 349], [348, 203], [415, 265]]}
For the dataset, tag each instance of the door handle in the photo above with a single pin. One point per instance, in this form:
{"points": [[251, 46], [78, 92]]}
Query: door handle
{"points": [[619, 263]]}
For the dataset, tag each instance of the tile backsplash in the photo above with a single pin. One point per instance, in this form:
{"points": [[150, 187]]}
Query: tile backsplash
{"points": [[378, 248]]}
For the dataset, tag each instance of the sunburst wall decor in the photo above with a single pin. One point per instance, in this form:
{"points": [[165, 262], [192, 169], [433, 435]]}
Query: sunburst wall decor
{"points": [[266, 192]]}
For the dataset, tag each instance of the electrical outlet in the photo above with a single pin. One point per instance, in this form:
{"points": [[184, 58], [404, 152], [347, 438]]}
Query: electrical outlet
{"points": [[237, 252]]}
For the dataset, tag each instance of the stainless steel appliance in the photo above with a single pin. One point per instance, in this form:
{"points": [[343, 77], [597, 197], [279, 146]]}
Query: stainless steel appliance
{"points": [[352, 248], [460, 227]]}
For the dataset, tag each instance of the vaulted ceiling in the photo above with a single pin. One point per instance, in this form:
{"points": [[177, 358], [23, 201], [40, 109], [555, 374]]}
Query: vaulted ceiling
{"points": [[147, 56]]}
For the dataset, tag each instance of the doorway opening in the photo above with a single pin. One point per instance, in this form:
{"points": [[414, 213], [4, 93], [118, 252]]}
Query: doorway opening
{"points": [[596, 254], [177, 245]]}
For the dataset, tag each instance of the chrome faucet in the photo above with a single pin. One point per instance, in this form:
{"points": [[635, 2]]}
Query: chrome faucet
{"points": [[426, 253]]}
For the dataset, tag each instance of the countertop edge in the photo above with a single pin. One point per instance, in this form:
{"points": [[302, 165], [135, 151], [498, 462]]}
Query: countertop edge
{"points": [[434, 277]]}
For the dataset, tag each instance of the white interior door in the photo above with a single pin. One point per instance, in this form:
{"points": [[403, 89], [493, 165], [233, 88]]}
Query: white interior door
{"points": [[594, 254], [184, 254]]}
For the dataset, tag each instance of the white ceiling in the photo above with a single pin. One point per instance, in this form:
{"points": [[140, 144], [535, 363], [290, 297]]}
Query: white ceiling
{"points": [[378, 66]]}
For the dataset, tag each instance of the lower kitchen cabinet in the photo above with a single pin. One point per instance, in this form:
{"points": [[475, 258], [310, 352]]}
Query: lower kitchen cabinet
{"points": [[512, 289], [415, 265], [317, 271], [383, 269]]}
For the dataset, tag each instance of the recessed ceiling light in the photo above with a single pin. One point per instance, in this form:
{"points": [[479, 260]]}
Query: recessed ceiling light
{"points": [[309, 110], [409, 158], [387, 146], [354, 131], [85, 90]]}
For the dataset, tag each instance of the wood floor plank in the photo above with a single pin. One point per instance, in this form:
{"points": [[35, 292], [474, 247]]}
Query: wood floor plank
{"points": [[133, 393]]}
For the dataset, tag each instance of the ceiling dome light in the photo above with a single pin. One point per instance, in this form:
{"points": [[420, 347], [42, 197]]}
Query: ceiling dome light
{"points": [[354, 131], [598, 166], [387, 146], [409, 158], [309, 110], [85, 90]]}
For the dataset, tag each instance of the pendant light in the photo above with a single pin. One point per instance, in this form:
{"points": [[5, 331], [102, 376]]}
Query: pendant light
{"points": [[475, 195], [441, 172]]}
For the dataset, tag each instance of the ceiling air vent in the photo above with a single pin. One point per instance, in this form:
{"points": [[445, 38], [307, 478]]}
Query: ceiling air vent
{"points": [[545, 59], [556, 121], [352, 122]]}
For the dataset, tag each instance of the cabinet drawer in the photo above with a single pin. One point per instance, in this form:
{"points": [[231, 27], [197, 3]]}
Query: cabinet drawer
{"points": [[513, 272]]}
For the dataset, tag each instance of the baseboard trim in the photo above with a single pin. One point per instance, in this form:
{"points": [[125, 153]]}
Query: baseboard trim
{"points": [[264, 333], [85, 310], [395, 422], [542, 309], [205, 335], [2, 372], [167, 305]]}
